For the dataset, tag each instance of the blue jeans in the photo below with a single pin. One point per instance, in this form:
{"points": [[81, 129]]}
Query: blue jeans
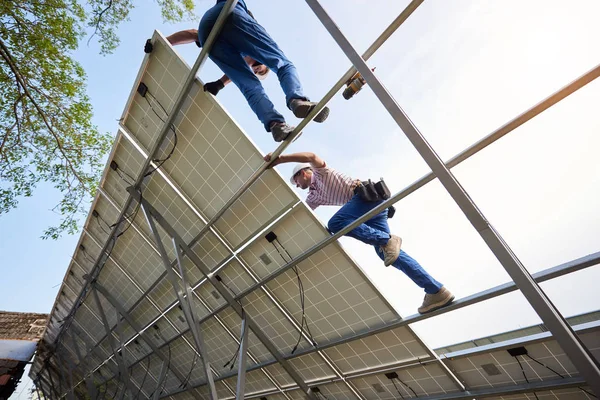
{"points": [[376, 232], [243, 36]]}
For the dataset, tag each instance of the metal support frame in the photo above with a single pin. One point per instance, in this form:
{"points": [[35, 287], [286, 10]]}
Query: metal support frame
{"points": [[554, 384], [119, 355], [179, 242], [241, 373], [507, 128], [52, 383], [69, 381], [568, 340], [89, 384], [186, 301], [112, 300], [542, 276], [215, 31]]}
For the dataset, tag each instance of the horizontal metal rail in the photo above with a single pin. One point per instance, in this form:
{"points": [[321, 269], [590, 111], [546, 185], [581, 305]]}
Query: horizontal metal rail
{"points": [[541, 276]]}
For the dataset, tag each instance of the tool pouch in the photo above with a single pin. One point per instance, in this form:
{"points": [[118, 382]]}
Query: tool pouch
{"points": [[371, 192], [367, 192]]}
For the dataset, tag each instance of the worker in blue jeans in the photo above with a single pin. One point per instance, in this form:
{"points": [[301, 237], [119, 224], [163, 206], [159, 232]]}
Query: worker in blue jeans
{"points": [[328, 187], [244, 51]]}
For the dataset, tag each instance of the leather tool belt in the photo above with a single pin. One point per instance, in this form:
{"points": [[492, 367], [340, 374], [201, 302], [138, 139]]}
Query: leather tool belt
{"points": [[374, 191]]}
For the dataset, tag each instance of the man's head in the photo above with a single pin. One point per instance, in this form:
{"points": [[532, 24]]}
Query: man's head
{"points": [[302, 175], [260, 70]]}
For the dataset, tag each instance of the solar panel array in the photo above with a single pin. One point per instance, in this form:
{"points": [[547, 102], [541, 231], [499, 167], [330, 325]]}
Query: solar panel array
{"points": [[211, 159]]}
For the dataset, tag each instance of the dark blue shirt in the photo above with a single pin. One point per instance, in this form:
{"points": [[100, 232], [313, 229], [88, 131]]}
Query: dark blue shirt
{"points": [[241, 3]]}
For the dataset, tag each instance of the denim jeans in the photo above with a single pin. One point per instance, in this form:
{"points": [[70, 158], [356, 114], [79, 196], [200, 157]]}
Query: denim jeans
{"points": [[376, 232], [243, 36]]}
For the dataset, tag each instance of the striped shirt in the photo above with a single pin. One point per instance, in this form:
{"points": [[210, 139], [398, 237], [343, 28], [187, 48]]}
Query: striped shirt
{"points": [[329, 188]]}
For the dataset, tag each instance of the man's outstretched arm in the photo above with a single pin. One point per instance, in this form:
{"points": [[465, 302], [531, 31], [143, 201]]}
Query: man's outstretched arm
{"points": [[183, 37], [304, 157]]}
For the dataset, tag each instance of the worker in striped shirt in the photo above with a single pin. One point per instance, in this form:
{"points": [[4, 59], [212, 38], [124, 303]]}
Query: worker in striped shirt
{"points": [[327, 187]]}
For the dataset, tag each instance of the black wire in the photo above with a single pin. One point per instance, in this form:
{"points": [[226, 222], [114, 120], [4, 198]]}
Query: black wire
{"points": [[168, 367], [397, 388], [144, 380], [121, 172], [189, 375], [411, 389], [100, 219], [524, 376], [233, 358], [303, 321], [161, 161], [562, 376]]}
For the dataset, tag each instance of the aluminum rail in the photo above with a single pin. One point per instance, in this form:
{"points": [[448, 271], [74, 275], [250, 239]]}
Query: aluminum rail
{"points": [[215, 31], [508, 287], [577, 352]]}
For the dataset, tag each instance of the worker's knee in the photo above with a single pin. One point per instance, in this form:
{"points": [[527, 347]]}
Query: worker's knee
{"points": [[335, 224]]}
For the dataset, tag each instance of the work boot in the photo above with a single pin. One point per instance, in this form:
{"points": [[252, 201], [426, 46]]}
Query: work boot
{"points": [[301, 109], [281, 131], [432, 302], [391, 250]]}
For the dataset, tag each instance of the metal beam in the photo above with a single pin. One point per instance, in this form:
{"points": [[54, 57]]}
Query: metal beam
{"points": [[226, 295], [571, 344], [241, 373], [187, 302], [119, 357], [554, 384], [497, 291], [111, 299]]}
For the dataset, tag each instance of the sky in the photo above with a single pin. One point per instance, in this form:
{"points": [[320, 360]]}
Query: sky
{"points": [[460, 70]]}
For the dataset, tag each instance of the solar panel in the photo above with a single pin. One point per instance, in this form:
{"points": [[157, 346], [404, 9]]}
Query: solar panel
{"points": [[246, 254]]}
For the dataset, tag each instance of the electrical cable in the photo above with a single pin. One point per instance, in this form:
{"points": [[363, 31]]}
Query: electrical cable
{"points": [[143, 380], [160, 162], [189, 375], [162, 387], [562, 376], [233, 358], [99, 219], [304, 321], [524, 376], [397, 388]]}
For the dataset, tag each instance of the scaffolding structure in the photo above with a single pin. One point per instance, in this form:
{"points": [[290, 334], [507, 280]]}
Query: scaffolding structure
{"points": [[96, 368]]}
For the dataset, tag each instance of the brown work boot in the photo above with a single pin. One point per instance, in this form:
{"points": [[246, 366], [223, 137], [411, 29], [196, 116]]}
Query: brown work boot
{"points": [[391, 250], [301, 109], [281, 130], [432, 302]]}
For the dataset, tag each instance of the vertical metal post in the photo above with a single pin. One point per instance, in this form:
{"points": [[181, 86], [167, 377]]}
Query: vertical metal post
{"points": [[162, 376], [88, 383], [568, 340], [52, 382], [241, 378], [185, 305], [69, 382], [226, 295], [118, 354], [143, 334]]}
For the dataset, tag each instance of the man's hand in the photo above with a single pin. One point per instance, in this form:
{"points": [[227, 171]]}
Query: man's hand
{"points": [[148, 46], [214, 87], [268, 157]]}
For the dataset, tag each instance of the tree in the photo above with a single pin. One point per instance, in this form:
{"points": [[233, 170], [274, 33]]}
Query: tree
{"points": [[46, 133]]}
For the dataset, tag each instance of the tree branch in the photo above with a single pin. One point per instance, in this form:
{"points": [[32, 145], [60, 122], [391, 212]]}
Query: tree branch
{"points": [[5, 53], [110, 3]]}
